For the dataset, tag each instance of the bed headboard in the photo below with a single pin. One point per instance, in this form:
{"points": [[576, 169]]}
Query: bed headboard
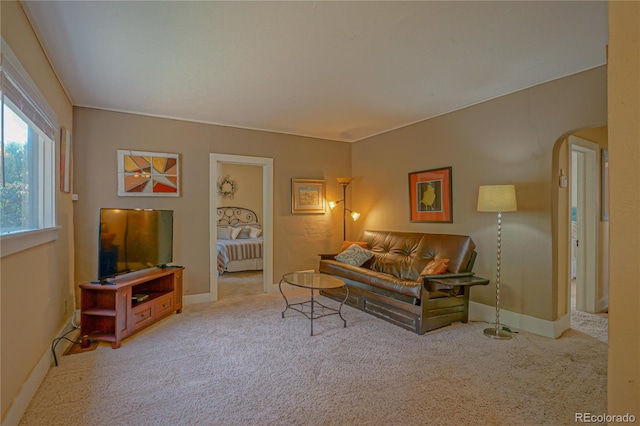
{"points": [[234, 215]]}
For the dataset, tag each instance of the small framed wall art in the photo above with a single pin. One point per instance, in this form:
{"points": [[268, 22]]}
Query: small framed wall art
{"points": [[430, 195], [307, 196], [148, 174]]}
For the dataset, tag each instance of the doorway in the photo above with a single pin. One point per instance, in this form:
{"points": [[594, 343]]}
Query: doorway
{"points": [[584, 222], [215, 161], [241, 277]]}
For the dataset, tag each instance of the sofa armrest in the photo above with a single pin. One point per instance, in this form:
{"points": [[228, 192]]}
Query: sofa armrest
{"points": [[426, 278], [445, 283], [324, 256], [431, 283]]}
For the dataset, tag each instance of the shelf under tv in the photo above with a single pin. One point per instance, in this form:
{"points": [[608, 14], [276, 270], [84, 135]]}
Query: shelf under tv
{"points": [[109, 314]]}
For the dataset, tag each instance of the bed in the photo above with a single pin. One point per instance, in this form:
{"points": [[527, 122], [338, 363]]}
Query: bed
{"points": [[240, 241]]}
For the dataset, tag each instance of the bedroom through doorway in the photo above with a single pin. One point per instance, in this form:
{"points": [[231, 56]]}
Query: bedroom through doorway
{"points": [[241, 223], [240, 206]]}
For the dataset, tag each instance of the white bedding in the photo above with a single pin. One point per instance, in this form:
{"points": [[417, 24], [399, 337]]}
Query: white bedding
{"points": [[245, 251]]}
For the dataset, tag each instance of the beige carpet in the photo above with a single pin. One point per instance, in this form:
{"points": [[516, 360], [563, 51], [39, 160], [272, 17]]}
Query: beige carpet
{"points": [[244, 283], [237, 362], [595, 325]]}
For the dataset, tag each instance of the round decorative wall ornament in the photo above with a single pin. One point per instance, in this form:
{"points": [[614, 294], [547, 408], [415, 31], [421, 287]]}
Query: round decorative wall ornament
{"points": [[227, 187]]}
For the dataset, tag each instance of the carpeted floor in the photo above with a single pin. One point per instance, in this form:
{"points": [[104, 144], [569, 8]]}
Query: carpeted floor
{"points": [[240, 284], [595, 325], [237, 362]]}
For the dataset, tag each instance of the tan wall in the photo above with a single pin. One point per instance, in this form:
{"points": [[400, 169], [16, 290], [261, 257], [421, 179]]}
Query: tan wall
{"points": [[249, 190], [623, 388], [509, 140], [561, 212], [297, 238], [36, 283]]}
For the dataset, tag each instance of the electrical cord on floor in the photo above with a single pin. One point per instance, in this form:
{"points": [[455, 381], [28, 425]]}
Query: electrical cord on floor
{"points": [[63, 337], [508, 329]]}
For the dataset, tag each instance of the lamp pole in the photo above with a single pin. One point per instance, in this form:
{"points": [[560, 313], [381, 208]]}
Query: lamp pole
{"points": [[497, 198], [344, 182], [344, 211]]}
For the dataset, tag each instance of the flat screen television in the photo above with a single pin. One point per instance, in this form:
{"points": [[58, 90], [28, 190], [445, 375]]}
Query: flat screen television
{"points": [[133, 239]]}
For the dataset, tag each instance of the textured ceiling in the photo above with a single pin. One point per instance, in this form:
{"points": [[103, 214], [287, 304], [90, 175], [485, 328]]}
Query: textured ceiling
{"points": [[334, 70]]}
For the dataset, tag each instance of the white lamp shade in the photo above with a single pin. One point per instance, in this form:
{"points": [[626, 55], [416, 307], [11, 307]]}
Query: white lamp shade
{"points": [[497, 198]]}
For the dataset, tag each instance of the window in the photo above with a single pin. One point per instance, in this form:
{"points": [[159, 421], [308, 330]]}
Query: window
{"points": [[27, 152]]}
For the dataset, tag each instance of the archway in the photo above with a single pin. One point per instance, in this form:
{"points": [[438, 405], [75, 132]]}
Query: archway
{"points": [[579, 174]]}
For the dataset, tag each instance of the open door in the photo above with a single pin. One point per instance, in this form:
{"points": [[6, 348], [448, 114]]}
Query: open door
{"points": [[586, 250]]}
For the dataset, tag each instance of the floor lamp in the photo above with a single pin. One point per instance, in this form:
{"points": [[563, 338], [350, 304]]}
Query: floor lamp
{"points": [[497, 198], [344, 182]]}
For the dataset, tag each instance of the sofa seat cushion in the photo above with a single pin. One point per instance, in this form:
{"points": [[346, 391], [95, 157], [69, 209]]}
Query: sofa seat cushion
{"points": [[373, 278]]}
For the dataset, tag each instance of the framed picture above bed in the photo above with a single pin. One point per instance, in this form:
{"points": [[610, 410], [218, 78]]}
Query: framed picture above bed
{"points": [[430, 195], [307, 196]]}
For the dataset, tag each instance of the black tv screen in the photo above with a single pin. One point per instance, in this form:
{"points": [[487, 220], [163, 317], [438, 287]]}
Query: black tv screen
{"points": [[133, 239]]}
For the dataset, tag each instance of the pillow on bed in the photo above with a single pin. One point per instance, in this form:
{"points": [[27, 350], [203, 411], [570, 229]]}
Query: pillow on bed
{"points": [[224, 233], [248, 232], [227, 233], [246, 225], [354, 255], [235, 232], [244, 233]]}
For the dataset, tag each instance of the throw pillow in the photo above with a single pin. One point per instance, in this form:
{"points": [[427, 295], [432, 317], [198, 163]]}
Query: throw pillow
{"points": [[235, 232], [435, 267], [224, 233], [346, 245], [354, 255], [255, 232], [244, 233]]}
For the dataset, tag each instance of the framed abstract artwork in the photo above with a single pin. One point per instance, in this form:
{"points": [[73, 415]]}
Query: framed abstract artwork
{"points": [[430, 196], [307, 196], [148, 174]]}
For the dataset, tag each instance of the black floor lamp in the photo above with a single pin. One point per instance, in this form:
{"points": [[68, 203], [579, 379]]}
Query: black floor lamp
{"points": [[497, 198], [344, 182]]}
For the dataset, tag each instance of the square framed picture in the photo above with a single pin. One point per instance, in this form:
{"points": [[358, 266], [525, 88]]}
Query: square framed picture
{"points": [[307, 196], [430, 196], [148, 174]]}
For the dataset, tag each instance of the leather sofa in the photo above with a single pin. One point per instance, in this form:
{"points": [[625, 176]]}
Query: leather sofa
{"points": [[389, 285]]}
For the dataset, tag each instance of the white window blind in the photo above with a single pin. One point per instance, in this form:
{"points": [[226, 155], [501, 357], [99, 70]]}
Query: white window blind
{"points": [[27, 153], [20, 89]]}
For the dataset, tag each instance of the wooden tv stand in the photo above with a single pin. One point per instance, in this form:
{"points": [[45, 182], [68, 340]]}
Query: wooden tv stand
{"points": [[110, 314]]}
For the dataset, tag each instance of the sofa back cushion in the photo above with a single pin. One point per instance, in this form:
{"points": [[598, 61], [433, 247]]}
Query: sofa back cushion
{"points": [[405, 254]]}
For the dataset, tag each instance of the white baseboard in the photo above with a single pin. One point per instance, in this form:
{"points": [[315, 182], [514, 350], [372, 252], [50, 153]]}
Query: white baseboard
{"points": [[192, 299], [30, 386], [602, 305], [552, 329]]}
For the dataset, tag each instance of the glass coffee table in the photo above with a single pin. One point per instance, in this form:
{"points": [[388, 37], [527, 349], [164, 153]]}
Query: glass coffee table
{"points": [[313, 281]]}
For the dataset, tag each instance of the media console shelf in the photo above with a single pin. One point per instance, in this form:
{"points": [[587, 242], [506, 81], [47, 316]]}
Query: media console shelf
{"points": [[109, 312]]}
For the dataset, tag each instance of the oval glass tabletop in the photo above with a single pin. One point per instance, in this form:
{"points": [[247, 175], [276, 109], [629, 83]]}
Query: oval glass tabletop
{"points": [[312, 280]]}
